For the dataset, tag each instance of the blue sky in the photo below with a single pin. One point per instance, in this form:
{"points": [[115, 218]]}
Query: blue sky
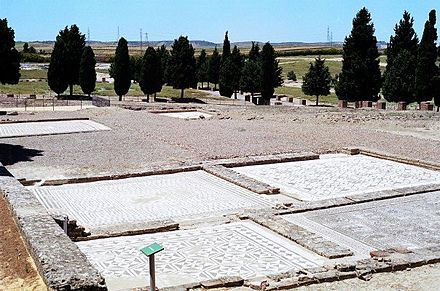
{"points": [[262, 20]]}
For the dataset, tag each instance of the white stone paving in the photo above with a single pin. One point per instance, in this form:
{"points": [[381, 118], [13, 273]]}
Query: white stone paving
{"points": [[339, 176], [410, 222], [187, 195], [187, 115], [48, 127], [241, 249]]}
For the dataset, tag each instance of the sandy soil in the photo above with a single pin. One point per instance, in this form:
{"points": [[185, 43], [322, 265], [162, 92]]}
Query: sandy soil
{"points": [[140, 138], [17, 269]]}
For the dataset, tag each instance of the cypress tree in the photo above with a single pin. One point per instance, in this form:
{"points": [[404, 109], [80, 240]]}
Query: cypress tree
{"points": [[74, 43], [182, 64], [399, 81], [164, 56], [405, 38], [399, 76], [360, 78], [226, 52], [135, 68], [426, 69], [250, 80], [9, 56], [120, 69], [214, 68], [151, 74], [56, 76], [254, 53], [317, 80], [237, 63], [270, 73], [87, 72], [226, 76], [202, 67]]}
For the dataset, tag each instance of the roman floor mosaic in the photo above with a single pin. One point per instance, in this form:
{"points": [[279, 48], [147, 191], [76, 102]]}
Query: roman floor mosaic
{"points": [[339, 176], [48, 127]]}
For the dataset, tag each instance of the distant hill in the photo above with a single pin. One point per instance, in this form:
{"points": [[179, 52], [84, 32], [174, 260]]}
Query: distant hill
{"points": [[198, 44]]}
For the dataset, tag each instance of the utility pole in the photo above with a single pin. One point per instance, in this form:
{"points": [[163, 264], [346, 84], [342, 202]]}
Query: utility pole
{"points": [[146, 38], [88, 36], [118, 35], [328, 34], [140, 33]]}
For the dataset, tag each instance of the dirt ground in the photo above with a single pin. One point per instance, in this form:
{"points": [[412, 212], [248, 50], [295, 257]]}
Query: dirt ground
{"points": [[424, 278], [17, 269]]}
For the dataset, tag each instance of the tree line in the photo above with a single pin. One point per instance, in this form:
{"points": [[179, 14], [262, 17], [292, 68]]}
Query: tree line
{"points": [[411, 73]]}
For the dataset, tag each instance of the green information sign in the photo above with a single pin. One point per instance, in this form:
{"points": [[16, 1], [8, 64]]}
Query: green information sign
{"points": [[152, 249]]}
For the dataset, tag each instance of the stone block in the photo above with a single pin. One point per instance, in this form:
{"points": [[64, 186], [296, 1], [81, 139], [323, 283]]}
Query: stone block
{"points": [[426, 106], [232, 281], [381, 105], [342, 103], [401, 106], [367, 104]]}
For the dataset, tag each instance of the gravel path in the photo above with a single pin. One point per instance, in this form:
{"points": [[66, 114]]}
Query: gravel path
{"points": [[139, 138]]}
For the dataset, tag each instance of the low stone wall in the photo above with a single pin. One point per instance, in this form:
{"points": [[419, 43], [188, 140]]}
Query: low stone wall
{"points": [[389, 260], [59, 261], [240, 180], [100, 101]]}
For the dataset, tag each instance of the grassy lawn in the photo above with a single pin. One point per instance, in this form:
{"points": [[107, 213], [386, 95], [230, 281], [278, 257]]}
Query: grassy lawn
{"points": [[301, 66], [297, 93], [33, 74], [103, 89]]}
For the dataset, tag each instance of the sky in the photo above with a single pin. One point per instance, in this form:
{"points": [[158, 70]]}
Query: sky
{"points": [[259, 20]]}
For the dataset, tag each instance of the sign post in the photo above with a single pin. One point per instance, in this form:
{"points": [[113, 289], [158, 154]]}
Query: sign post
{"points": [[149, 251]]}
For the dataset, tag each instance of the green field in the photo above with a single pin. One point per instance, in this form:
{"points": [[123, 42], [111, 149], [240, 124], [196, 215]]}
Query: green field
{"points": [[297, 93], [301, 64], [102, 89]]}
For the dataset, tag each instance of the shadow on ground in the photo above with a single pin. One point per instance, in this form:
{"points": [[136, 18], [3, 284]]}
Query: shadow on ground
{"points": [[11, 154]]}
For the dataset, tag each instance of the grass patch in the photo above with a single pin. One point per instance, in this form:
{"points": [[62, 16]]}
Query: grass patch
{"points": [[298, 93], [301, 66], [33, 74], [102, 89]]}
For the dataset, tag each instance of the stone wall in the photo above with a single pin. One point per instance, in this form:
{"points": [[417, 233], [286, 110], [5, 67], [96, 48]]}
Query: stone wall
{"points": [[59, 261]]}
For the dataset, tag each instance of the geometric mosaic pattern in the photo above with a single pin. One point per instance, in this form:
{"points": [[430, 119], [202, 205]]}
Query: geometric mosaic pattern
{"points": [[411, 222], [111, 203], [48, 127], [241, 248], [339, 176]]}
